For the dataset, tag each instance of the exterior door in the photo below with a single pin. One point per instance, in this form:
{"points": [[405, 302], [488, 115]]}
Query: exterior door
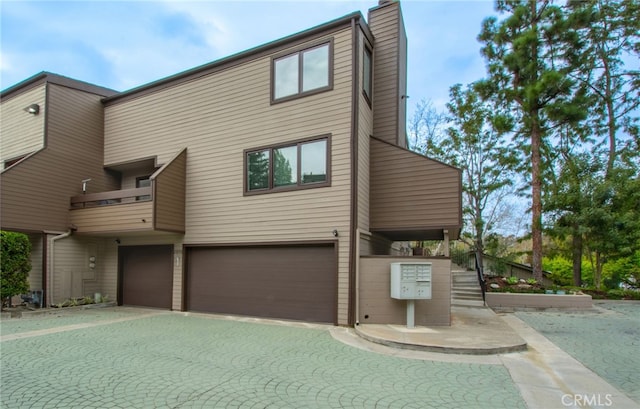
{"points": [[146, 275]]}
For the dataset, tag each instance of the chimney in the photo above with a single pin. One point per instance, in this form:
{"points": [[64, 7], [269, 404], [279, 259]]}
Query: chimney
{"points": [[389, 72]]}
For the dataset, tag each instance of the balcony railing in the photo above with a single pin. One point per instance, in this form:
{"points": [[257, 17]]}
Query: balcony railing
{"points": [[112, 197], [159, 207]]}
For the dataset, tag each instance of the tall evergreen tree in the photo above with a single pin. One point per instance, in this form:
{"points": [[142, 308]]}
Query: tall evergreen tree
{"points": [[606, 70], [609, 32], [528, 56]]}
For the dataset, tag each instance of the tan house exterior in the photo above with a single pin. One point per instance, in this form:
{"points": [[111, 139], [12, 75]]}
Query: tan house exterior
{"points": [[271, 183]]}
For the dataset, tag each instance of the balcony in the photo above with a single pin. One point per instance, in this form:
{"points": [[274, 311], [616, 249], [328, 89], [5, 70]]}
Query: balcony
{"points": [[158, 207], [413, 197]]}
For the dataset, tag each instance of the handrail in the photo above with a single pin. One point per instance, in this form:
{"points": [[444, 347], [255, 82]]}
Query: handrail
{"points": [[111, 197], [481, 279]]}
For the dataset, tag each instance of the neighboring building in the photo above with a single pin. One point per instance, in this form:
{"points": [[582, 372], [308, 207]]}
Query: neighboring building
{"points": [[271, 183]]}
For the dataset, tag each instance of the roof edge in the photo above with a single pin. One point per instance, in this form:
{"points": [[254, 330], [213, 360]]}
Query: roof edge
{"points": [[45, 76], [204, 69], [377, 139]]}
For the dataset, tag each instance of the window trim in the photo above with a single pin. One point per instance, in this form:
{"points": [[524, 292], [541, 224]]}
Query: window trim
{"points": [[300, 51], [367, 97], [13, 161], [288, 188]]}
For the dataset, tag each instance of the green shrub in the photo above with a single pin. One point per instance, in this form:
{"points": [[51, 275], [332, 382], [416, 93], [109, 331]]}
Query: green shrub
{"points": [[512, 280], [561, 269], [623, 270], [14, 265], [621, 294]]}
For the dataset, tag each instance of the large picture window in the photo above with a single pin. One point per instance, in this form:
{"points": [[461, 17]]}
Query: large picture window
{"points": [[296, 165], [302, 73]]}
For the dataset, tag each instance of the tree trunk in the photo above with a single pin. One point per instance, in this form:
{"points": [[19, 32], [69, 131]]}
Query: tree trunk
{"points": [[576, 245], [536, 198], [536, 168], [597, 271], [479, 255], [479, 225]]}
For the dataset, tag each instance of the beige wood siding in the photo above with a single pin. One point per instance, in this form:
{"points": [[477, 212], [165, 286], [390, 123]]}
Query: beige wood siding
{"points": [[410, 191], [21, 133], [108, 261], [402, 83], [377, 305], [35, 275], [169, 194], [374, 244], [72, 274], [365, 129], [36, 192], [176, 295], [219, 116], [118, 218], [389, 83]]}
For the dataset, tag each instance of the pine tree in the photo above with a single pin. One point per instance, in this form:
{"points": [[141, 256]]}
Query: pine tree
{"points": [[529, 59], [608, 70]]}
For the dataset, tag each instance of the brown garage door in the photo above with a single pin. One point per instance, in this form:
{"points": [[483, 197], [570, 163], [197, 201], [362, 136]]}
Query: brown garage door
{"points": [[292, 282], [146, 274]]}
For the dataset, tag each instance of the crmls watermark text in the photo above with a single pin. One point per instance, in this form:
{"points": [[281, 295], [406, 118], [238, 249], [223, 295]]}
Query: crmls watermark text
{"points": [[594, 400]]}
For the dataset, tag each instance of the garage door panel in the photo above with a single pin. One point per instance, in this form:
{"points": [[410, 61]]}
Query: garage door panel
{"points": [[147, 275], [297, 282]]}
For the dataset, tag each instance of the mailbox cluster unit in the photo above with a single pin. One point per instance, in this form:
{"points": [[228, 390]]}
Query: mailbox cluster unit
{"points": [[411, 280]]}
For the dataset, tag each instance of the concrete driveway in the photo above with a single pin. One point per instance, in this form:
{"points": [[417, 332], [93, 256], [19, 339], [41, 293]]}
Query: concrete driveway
{"points": [[606, 340], [139, 358], [134, 358]]}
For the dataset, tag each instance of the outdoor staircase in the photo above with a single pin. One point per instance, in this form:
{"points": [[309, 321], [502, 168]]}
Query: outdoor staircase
{"points": [[465, 290]]}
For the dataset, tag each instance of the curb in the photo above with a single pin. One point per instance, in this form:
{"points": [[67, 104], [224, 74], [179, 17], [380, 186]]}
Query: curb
{"points": [[443, 349]]}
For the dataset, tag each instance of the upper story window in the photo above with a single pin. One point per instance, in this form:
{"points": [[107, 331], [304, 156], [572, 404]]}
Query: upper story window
{"points": [[143, 181], [304, 72], [295, 165], [367, 75]]}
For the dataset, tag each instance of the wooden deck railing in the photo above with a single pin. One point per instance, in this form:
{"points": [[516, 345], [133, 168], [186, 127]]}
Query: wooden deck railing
{"points": [[112, 197]]}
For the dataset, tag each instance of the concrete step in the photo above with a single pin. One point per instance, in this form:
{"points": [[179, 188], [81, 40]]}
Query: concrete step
{"points": [[468, 303], [466, 297], [465, 274], [465, 282], [465, 279], [473, 290], [465, 288]]}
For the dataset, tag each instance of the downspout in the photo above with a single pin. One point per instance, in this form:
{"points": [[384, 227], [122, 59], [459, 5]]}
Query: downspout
{"points": [[52, 264], [357, 294]]}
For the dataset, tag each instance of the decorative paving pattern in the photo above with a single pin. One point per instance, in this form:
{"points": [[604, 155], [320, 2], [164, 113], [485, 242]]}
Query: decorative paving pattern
{"points": [[63, 317], [174, 361], [606, 341]]}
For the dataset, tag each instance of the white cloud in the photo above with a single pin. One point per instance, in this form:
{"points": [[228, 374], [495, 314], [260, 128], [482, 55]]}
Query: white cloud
{"points": [[122, 45]]}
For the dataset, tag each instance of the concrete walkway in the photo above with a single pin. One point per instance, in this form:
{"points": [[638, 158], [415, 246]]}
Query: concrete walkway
{"points": [[546, 376], [473, 330]]}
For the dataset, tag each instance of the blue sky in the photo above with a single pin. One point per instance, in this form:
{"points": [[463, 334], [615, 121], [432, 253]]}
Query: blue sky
{"points": [[124, 44]]}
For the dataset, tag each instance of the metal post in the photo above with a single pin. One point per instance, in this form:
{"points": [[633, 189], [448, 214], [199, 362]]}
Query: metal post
{"points": [[411, 312]]}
